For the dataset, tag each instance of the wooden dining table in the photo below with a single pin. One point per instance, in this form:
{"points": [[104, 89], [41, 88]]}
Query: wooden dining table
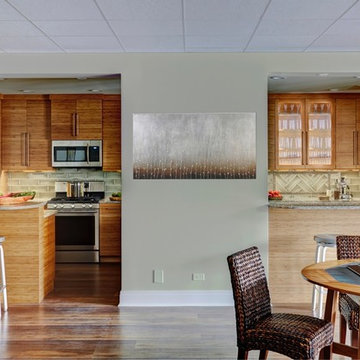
{"points": [[318, 274]]}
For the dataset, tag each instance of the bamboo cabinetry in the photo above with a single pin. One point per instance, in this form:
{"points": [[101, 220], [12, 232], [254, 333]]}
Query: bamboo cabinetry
{"points": [[347, 132], [29, 248], [301, 132], [110, 232], [111, 110], [76, 117], [25, 132]]}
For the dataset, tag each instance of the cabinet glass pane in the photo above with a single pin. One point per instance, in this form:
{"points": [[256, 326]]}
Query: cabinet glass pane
{"points": [[289, 134], [319, 135]]}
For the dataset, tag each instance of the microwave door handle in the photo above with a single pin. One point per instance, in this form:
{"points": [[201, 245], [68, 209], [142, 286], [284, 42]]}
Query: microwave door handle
{"points": [[88, 153]]}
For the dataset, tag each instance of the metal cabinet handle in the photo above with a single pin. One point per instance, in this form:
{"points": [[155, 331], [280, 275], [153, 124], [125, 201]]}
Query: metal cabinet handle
{"points": [[76, 124], [73, 115], [23, 147], [88, 153], [27, 159], [355, 147]]}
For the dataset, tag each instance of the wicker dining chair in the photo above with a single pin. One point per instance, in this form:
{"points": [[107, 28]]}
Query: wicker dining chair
{"points": [[348, 247], [296, 336]]}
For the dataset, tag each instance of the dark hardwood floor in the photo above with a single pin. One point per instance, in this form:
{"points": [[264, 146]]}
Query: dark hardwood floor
{"points": [[81, 320]]}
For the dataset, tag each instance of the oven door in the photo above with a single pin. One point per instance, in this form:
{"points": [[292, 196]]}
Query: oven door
{"points": [[77, 230]]}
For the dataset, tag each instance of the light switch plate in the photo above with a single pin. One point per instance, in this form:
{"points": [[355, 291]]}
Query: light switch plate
{"points": [[158, 276]]}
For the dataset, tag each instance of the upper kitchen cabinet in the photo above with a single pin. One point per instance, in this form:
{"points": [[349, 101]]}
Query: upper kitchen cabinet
{"points": [[111, 109], [76, 117], [25, 132], [301, 132], [347, 131]]}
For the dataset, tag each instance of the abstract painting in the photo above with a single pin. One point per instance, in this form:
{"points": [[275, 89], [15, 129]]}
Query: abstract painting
{"points": [[194, 146]]}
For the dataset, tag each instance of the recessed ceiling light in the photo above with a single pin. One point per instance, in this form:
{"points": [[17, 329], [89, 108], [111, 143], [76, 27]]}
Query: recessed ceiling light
{"points": [[276, 77], [26, 91], [334, 89], [95, 90], [357, 76], [323, 74], [82, 78]]}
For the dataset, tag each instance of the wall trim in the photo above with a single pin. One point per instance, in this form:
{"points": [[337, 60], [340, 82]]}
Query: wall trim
{"points": [[176, 298]]}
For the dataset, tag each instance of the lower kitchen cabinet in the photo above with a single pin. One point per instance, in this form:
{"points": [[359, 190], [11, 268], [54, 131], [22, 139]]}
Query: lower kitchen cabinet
{"points": [[110, 232]]}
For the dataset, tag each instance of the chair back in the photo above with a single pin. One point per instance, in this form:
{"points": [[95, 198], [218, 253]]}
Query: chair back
{"points": [[250, 289], [348, 247]]}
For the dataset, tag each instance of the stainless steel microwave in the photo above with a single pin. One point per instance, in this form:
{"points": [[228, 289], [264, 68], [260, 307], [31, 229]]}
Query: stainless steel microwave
{"points": [[77, 153]]}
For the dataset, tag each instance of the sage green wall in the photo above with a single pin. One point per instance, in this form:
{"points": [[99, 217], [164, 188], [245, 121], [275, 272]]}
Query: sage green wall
{"points": [[185, 226]]}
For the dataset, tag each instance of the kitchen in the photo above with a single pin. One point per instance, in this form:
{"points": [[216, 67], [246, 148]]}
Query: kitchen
{"points": [[61, 138], [313, 163]]}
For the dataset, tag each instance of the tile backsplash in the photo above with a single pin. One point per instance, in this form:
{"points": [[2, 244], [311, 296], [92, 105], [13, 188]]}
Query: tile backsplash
{"points": [[309, 185], [44, 182]]}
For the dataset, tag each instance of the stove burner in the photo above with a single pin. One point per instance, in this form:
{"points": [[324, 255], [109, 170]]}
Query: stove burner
{"points": [[64, 200]]}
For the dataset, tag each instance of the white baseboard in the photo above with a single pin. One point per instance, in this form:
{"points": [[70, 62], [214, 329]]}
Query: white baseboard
{"points": [[176, 298]]}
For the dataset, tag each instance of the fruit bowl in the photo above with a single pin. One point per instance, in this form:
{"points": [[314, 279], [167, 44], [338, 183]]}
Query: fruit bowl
{"points": [[275, 197]]}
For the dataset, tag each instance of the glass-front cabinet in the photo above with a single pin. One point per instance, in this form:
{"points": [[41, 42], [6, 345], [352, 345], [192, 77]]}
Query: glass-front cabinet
{"points": [[304, 133]]}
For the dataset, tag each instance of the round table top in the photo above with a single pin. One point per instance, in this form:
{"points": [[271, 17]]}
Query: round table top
{"points": [[317, 274]]}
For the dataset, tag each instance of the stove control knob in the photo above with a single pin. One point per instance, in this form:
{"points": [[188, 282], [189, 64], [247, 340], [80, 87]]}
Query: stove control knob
{"points": [[61, 206], [90, 205], [72, 205], [83, 205]]}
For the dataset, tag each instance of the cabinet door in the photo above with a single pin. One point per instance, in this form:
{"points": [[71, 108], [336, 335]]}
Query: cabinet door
{"points": [[110, 230], [13, 133], [345, 133], [319, 133], [88, 120], [63, 119], [111, 135], [38, 130], [290, 134]]}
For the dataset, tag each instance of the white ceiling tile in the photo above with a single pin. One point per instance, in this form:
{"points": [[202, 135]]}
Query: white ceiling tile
{"points": [[7, 12], [292, 27], [28, 44], [279, 43], [215, 42], [336, 43], [88, 43], [210, 28], [153, 44], [353, 13], [141, 9], [75, 28], [58, 9], [224, 10], [146, 28], [306, 9], [345, 27], [18, 28]]}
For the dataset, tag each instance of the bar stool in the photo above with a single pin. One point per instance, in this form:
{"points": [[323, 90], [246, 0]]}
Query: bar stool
{"points": [[323, 242], [3, 279]]}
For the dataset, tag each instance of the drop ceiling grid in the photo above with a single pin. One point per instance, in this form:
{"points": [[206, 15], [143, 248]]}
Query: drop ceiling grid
{"points": [[179, 25]]}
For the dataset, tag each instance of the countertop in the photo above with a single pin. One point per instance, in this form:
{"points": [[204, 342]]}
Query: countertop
{"points": [[315, 204], [23, 206], [48, 213]]}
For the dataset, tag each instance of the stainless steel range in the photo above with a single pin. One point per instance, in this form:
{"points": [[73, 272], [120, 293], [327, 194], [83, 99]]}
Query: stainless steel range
{"points": [[77, 221]]}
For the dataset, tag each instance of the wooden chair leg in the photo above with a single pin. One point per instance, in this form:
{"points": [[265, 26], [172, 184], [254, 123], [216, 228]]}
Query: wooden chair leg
{"points": [[242, 354], [263, 354], [343, 326], [354, 338]]}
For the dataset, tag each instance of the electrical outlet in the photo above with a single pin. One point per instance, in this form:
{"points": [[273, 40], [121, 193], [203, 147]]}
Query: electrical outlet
{"points": [[158, 276], [198, 276]]}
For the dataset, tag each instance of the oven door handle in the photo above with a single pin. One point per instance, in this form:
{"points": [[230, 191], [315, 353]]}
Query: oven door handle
{"points": [[77, 213]]}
